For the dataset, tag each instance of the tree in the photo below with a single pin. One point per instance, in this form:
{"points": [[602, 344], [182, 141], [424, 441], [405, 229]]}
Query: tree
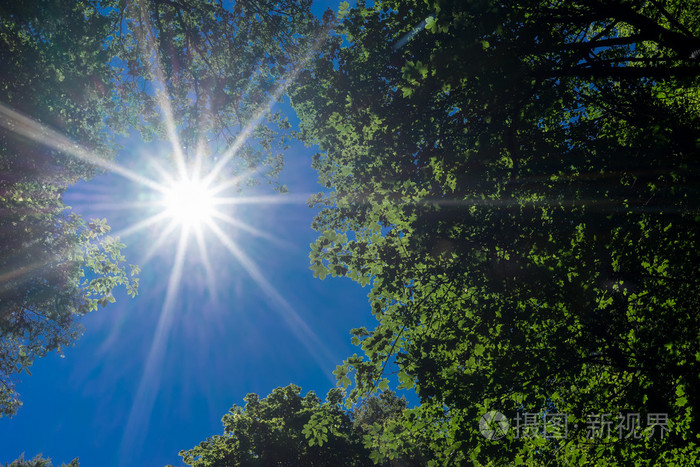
{"points": [[518, 184], [54, 266], [39, 461], [274, 431]]}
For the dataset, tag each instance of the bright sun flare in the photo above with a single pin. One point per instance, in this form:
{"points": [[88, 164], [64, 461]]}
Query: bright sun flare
{"points": [[190, 202]]}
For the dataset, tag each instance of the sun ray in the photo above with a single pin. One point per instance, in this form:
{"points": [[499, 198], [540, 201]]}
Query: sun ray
{"points": [[149, 221], [199, 155], [26, 269], [149, 385], [164, 175], [154, 64], [252, 230], [285, 82], [208, 270], [302, 331], [234, 181], [116, 206], [162, 237], [267, 199], [246, 131], [25, 126]]}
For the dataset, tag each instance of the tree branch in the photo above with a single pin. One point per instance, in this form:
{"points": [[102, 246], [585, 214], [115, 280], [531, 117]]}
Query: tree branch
{"points": [[683, 45]]}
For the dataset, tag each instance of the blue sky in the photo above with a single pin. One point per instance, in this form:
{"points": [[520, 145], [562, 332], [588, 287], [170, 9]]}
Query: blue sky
{"points": [[139, 385], [217, 348]]}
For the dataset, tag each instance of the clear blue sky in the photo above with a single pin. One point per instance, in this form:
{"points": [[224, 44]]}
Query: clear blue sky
{"points": [[106, 404]]}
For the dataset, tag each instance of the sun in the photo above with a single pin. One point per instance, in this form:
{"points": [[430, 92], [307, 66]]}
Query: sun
{"points": [[190, 202]]}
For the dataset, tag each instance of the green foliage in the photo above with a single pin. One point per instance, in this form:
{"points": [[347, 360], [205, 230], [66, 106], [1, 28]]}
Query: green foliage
{"points": [[387, 431], [53, 266], [59, 269], [286, 429], [518, 183], [283, 429], [39, 461]]}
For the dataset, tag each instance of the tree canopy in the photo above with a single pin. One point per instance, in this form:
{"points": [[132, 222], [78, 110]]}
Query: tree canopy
{"points": [[517, 181]]}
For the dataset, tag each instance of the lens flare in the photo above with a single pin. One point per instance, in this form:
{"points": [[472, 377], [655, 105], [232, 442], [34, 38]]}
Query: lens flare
{"points": [[189, 202]]}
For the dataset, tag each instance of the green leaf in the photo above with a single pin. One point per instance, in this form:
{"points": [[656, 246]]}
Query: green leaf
{"points": [[431, 24]]}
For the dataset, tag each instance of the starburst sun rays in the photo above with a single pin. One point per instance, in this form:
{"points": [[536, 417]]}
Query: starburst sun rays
{"points": [[193, 203]]}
